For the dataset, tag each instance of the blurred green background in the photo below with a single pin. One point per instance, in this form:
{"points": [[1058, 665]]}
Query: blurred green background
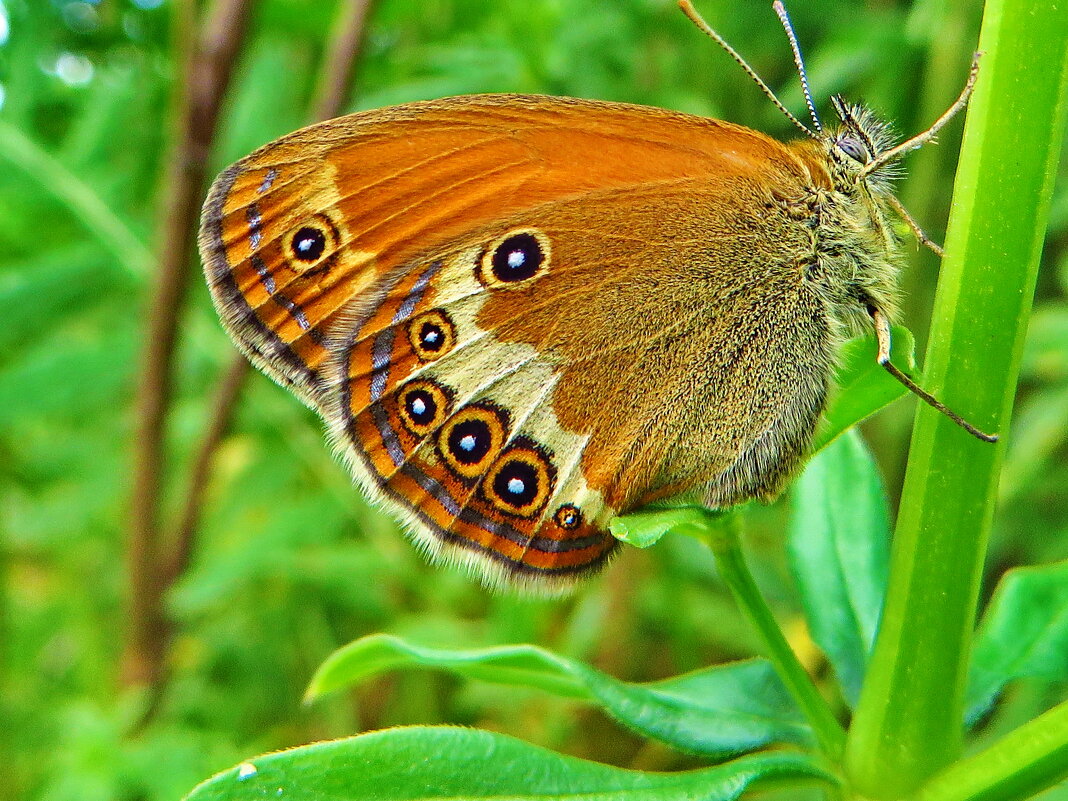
{"points": [[289, 561]]}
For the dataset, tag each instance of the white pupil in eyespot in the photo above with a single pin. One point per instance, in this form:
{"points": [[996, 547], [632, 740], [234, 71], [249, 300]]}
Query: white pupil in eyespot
{"points": [[467, 442], [418, 406], [516, 486], [431, 336], [516, 258], [304, 245]]}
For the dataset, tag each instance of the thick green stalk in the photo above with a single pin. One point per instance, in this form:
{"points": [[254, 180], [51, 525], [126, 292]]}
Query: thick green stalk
{"points": [[908, 722]]}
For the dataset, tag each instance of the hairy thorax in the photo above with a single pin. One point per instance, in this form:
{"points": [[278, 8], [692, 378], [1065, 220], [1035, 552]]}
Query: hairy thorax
{"points": [[855, 256]]}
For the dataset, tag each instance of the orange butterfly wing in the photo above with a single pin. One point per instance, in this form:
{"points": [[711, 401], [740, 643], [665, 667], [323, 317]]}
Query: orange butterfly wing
{"points": [[325, 248], [402, 181]]}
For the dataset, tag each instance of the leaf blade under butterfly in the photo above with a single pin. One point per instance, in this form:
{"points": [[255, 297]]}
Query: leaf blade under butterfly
{"points": [[719, 711]]}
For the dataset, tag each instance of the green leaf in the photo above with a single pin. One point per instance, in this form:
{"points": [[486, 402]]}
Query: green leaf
{"points": [[839, 549], [863, 386], [1045, 354], [1024, 632], [451, 763], [1039, 431], [645, 528], [718, 711], [80, 199], [72, 380]]}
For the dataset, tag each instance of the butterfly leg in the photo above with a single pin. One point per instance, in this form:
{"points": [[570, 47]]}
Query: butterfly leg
{"points": [[918, 232], [882, 334]]}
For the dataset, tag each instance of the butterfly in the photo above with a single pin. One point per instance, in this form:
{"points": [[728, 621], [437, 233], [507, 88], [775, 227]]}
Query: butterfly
{"points": [[520, 316]]}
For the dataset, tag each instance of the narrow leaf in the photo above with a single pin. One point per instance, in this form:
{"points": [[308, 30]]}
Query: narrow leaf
{"points": [[1022, 764], [80, 199], [719, 711]]}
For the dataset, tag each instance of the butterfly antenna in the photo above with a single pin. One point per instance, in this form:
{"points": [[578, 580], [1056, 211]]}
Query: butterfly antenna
{"points": [[704, 27], [780, 9]]}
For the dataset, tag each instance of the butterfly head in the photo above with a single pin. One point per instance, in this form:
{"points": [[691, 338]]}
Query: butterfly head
{"points": [[855, 144]]}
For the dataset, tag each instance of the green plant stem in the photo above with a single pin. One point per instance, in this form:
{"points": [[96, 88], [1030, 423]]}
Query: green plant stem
{"points": [[1032, 758], [79, 198], [720, 533], [908, 722]]}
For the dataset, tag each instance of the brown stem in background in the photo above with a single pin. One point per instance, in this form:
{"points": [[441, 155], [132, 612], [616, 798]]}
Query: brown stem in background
{"points": [[223, 405], [206, 76], [346, 42], [148, 643], [333, 85]]}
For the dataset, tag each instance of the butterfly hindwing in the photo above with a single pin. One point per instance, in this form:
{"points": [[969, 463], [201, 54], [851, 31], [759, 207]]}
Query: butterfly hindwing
{"points": [[446, 422]]}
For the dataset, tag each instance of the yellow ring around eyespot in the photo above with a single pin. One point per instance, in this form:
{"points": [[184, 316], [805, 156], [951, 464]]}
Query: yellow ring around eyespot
{"points": [[541, 471], [484, 269], [495, 426], [436, 318], [437, 396], [331, 240]]}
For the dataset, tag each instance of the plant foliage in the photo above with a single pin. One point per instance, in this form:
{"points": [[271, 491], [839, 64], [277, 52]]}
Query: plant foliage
{"points": [[834, 659]]}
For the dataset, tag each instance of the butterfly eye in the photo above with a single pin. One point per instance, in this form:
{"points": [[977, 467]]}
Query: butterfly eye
{"points": [[568, 517], [853, 148], [311, 243], [423, 407], [432, 335], [471, 439], [514, 258], [520, 481]]}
